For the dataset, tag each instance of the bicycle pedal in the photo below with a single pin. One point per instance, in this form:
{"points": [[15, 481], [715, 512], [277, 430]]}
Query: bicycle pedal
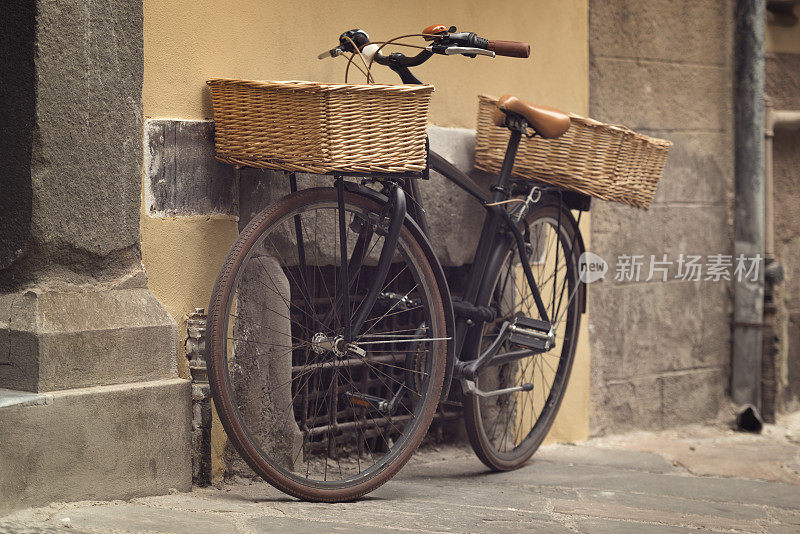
{"points": [[367, 401], [532, 334]]}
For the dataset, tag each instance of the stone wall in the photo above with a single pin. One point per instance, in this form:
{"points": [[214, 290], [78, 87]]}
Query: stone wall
{"points": [[661, 350], [90, 404]]}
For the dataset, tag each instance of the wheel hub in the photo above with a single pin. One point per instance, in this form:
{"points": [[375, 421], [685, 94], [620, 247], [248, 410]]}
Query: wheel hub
{"points": [[320, 343]]}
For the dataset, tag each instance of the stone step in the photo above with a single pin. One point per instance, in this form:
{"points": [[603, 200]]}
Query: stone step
{"points": [[55, 340], [104, 442]]}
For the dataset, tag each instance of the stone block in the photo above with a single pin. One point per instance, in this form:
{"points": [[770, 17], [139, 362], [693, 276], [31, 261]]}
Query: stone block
{"points": [[87, 157], [455, 218], [786, 154], [693, 397], [182, 176], [642, 94], [108, 442], [699, 168], [715, 315], [77, 181], [623, 406], [782, 80], [261, 365], [606, 337], [60, 340], [660, 328], [18, 100], [788, 254], [672, 230], [792, 393], [692, 31]]}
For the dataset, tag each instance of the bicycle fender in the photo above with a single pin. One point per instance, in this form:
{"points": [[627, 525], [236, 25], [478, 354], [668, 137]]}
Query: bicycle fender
{"points": [[438, 272]]}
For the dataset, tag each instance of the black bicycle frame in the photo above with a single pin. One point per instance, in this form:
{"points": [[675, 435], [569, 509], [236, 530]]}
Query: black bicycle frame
{"points": [[497, 219]]}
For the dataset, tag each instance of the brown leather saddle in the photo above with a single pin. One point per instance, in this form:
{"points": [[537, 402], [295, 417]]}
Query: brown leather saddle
{"points": [[547, 122]]}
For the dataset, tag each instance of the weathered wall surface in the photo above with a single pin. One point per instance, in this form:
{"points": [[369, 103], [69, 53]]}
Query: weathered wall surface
{"points": [[786, 157], [661, 350], [780, 38]]}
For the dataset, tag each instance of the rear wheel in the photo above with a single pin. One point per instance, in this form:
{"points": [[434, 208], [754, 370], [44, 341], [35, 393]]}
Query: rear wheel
{"points": [[507, 429], [306, 411]]}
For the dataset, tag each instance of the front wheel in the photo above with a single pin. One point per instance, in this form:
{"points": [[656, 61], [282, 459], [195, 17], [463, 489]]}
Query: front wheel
{"points": [[506, 430], [318, 417]]}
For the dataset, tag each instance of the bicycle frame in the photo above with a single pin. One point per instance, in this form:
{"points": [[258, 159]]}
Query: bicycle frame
{"points": [[497, 217], [498, 222]]}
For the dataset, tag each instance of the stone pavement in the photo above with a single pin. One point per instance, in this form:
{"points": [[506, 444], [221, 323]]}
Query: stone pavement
{"points": [[699, 478]]}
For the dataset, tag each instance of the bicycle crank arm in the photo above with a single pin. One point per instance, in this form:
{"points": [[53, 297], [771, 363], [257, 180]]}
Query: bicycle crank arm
{"points": [[470, 387], [533, 335]]}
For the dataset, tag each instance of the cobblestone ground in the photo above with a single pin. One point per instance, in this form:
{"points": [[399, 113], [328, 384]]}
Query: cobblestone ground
{"points": [[699, 478]]}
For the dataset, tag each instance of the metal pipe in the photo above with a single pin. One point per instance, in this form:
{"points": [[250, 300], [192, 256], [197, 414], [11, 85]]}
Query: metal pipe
{"points": [[749, 204], [773, 275], [786, 119], [769, 217], [774, 120]]}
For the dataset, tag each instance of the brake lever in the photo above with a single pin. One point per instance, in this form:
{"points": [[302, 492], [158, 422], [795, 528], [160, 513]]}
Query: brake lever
{"points": [[465, 50], [333, 52]]}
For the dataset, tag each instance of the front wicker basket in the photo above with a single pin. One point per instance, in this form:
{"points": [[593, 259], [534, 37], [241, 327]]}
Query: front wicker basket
{"points": [[600, 160], [321, 128]]}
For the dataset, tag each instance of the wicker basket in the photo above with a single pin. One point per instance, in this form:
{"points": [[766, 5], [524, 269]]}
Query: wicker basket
{"points": [[321, 128], [604, 161]]}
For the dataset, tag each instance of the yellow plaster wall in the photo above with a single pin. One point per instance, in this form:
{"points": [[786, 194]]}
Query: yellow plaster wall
{"points": [[182, 256], [188, 41], [572, 422]]}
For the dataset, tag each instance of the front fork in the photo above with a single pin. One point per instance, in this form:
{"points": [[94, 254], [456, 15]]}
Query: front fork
{"points": [[395, 210]]}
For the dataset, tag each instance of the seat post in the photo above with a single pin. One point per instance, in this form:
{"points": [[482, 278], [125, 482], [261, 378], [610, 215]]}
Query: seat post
{"points": [[501, 191]]}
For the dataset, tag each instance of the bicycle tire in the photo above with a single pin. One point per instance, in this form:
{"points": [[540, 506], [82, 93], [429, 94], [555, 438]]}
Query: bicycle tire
{"points": [[223, 390], [487, 447]]}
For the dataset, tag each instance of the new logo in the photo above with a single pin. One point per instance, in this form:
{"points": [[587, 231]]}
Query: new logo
{"points": [[591, 267]]}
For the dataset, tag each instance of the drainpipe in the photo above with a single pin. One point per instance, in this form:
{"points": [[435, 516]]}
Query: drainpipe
{"points": [[786, 120], [780, 120], [748, 301], [773, 273], [769, 204]]}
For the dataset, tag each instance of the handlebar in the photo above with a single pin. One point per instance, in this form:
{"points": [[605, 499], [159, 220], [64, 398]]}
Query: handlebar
{"points": [[510, 48], [444, 41]]}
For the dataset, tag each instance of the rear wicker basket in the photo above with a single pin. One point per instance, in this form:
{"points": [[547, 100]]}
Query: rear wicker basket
{"points": [[604, 161], [321, 128]]}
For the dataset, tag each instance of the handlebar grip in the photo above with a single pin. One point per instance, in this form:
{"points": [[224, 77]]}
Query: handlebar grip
{"points": [[510, 48]]}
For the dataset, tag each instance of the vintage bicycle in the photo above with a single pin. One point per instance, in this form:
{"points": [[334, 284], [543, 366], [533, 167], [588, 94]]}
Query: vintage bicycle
{"points": [[332, 332]]}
